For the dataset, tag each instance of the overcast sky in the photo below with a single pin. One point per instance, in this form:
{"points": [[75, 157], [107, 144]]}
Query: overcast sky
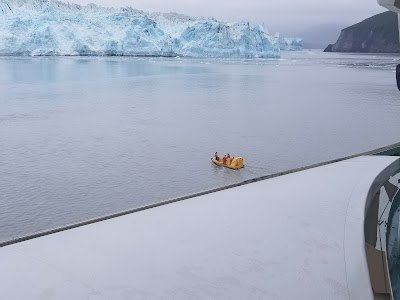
{"points": [[278, 15]]}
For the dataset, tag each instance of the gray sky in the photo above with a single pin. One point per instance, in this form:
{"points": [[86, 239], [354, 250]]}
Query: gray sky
{"points": [[278, 15]]}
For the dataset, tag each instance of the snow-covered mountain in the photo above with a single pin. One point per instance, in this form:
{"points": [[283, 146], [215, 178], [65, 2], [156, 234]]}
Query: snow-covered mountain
{"points": [[47, 27]]}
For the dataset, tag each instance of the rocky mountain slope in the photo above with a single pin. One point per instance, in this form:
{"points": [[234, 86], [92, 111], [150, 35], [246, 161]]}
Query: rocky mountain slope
{"points": [[378, 34]]}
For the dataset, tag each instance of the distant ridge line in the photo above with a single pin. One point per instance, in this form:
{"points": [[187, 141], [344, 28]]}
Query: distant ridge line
{"points": [[393, 149]]}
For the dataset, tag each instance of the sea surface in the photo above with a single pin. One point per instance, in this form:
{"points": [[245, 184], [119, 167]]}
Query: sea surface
{"points": [[83, 137]]}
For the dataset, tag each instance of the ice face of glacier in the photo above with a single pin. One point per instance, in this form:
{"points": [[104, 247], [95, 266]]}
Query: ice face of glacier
{"points": [[290, 44], [215, 39], [47, 27]]}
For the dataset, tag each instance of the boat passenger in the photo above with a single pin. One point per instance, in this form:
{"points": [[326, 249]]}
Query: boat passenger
{"points": [[232, 160], [216, 156], [228, 156], [224, 160]]}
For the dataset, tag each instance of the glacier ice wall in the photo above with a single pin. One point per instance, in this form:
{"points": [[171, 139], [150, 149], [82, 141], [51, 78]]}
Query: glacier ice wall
{"points": [[47, 27], [290, 44]]}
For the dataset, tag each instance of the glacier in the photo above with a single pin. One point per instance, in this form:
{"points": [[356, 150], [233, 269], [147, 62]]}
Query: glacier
{"points": [[290, 44], [49, 27]]}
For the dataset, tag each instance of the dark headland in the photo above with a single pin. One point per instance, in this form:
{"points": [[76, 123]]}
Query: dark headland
{"points": [[378, 34]]}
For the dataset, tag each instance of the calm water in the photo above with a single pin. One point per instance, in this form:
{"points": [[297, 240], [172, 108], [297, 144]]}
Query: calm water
{"points": [[84, 137]]}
